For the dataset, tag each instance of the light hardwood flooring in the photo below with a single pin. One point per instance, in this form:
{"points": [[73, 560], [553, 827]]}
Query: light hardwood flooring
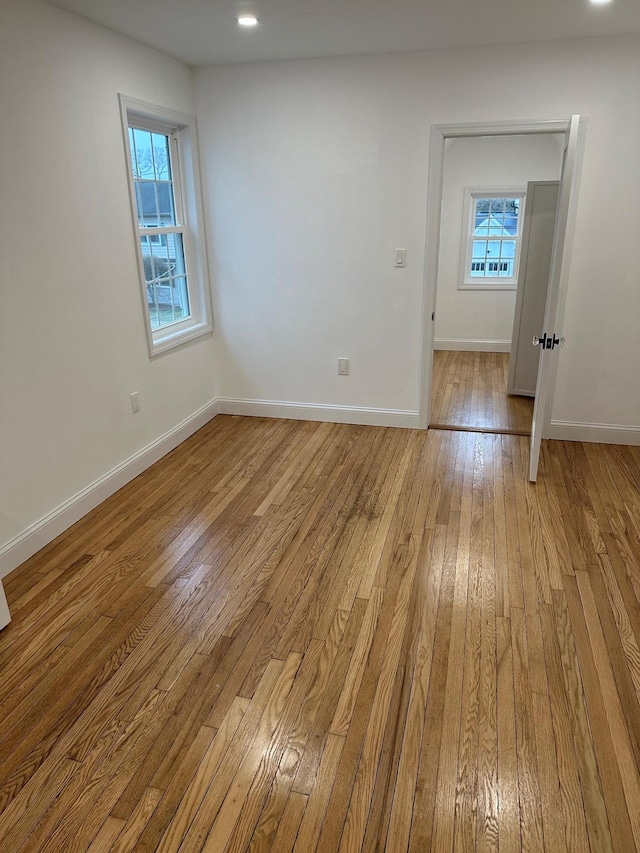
{"points": [[470, 390], [302, 636]]}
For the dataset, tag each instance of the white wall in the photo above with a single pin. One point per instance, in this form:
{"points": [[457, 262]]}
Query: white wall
{"points": [[315, 170], [72, 341], [468, 316]]}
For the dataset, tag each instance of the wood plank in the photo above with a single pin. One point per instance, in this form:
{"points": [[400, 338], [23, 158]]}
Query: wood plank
{"points": [[469, 391], [612, 787], [318, 636]]}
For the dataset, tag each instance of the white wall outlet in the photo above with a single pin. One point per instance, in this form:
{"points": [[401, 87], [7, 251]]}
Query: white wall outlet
{"points": [[343, 367], [135, 402], [401, 257]]}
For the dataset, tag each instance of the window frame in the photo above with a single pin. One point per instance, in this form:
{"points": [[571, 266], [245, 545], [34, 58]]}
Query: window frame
{"points": [[465, 280], [181, 129]]}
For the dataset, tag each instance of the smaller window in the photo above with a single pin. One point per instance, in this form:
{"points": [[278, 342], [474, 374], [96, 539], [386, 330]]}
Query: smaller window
{"points": [[492, 226], [167, 223]]}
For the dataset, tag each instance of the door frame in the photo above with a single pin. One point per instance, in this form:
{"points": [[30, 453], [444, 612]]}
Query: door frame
{"points": [[437, 141]]}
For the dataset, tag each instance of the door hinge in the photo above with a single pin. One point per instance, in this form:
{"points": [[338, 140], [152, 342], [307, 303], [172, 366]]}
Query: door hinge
{"points": [[547, 341], [433, 316]]}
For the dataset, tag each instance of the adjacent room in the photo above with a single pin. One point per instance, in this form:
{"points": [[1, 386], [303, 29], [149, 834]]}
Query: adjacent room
{"points": [[492, 187], [304, 545]]}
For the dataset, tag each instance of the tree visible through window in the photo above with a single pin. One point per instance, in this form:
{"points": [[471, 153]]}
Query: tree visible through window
{"points": [[492, 238]]}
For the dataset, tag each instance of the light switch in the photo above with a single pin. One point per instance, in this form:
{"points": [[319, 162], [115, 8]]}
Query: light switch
{"points": [[401, 256]]}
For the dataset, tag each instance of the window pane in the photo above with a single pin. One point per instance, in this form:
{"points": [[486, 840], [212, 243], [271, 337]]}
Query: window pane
{"points": [[148, 259], [482, 225], [155, 267], [161, 157], [479, 248], [154, 200], [165, 276], [508, 248], [495, 225], [147, 202], [142, 154], [151, 160], [180, 297]]}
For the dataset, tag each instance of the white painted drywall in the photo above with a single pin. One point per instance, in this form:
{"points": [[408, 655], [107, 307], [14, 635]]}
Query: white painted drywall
{"points": [[72, 342], [316, 170], [507, 161]]}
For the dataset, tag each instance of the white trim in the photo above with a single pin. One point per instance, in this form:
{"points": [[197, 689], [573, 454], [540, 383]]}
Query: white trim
{"points": [[439, 133], [468, 345], [598, 433], [502, 128], [39, 534], [319, 412], [5, 616]]}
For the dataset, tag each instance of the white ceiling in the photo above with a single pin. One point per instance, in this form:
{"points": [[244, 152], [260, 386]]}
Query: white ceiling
{"points": [[204, 32]]}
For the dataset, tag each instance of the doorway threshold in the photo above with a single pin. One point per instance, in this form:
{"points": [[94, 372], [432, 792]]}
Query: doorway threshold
{"points": [[493, 430]]}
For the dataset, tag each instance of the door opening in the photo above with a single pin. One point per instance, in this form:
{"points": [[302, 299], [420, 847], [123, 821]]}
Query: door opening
{"points": [[441, 137]]}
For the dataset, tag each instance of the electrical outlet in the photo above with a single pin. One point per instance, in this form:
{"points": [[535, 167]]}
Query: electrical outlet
{"points": [[135, 402], [343, 367]]}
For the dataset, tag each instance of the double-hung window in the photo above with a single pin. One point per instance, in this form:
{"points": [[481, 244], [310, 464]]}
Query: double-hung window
{"points": [[167, 219], [492, 227]]}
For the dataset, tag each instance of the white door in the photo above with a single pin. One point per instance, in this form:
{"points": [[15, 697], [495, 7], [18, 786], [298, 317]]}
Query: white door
{"points": [[5, 618], [538, 228], [549, 334]]}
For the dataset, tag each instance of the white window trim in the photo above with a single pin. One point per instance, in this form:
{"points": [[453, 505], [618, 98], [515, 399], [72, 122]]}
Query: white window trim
{"points": [[465, 280], [184, 126]]}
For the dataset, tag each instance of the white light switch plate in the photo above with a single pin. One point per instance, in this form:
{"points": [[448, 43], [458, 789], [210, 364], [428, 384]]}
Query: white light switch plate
{"points": [[401, 257]]}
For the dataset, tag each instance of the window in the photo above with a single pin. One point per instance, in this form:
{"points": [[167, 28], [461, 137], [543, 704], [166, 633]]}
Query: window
{"points": [[167, 218], [490, 251]]}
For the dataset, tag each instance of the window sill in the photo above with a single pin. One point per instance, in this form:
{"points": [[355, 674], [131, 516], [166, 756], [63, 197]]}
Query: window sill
{"points": [[171, 339], [488, 284]]}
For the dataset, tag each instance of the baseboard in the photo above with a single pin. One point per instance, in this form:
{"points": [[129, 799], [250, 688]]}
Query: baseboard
{"points": [[314, 412], [598, 433], [472, 346], [39, 534]]}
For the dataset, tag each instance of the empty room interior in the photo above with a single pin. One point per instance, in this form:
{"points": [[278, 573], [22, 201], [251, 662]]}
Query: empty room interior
{"points": [[320, 420]]}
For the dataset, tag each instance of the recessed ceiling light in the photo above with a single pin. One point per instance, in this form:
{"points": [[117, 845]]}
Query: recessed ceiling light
{"points": [[247, 20], [600, 2]]}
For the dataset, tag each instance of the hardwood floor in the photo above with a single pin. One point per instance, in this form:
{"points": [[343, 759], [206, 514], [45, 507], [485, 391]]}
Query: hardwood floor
{"points": [[302, 636], [470, 390]]}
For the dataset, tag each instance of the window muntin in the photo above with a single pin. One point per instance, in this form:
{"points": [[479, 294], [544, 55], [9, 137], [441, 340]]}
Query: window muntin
{"points": [[166, 208], [491, 239]]}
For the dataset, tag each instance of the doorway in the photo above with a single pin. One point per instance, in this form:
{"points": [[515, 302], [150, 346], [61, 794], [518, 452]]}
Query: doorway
{"points": [[487, 202], [574, 130]]}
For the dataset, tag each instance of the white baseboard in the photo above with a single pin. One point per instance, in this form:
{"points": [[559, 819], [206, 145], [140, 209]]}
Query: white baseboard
{"points": [[39, 534], [313, 412], [472, 346], [598, 433]]}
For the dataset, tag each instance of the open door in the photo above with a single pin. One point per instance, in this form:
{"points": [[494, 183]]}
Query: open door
{"points": [[538, 229], [549, 337], [5, 618]]}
